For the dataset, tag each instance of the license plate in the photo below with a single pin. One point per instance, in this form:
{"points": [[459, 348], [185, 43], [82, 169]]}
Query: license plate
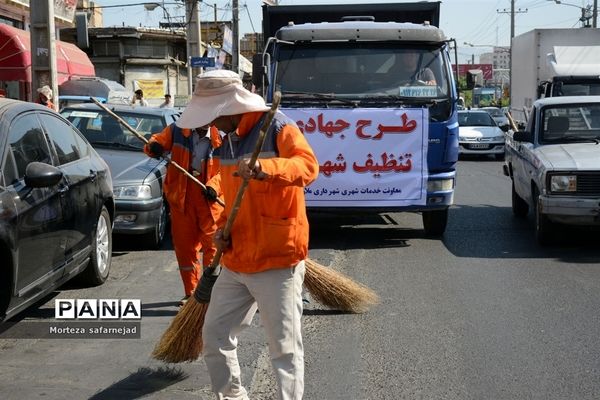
{"points": [[479, 145]]}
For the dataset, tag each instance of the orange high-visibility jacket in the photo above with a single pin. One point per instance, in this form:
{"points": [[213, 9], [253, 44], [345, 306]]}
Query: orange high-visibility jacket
{"points": [[271, 227], [179, 143]]}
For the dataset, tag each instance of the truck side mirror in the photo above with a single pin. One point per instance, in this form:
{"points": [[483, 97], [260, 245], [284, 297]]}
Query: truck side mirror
{"points": [[470, 81], [523, 136], [259, 71]]}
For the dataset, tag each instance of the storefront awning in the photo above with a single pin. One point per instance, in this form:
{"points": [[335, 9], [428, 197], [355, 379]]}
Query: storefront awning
{"points": [[15, 57]]}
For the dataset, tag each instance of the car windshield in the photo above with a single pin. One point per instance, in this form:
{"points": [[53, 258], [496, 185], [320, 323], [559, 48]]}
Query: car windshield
{"points": [[475, 119], [495, 112], [567, 123], [102, 129]]}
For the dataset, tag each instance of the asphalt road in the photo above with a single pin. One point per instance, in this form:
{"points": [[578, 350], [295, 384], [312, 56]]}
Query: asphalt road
{"points": [[485, 313]]}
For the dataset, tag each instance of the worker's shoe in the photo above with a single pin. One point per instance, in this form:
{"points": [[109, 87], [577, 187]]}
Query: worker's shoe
{"points": [[183, 301]]}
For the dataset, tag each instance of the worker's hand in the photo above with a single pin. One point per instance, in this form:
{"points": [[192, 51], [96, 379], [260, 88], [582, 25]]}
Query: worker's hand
{"points": [[246, 172], [156, 149], [220, 241], [210, 194]]}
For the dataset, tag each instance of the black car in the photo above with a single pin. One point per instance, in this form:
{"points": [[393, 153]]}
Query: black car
{"points": [[56, 206], [137, 179]]}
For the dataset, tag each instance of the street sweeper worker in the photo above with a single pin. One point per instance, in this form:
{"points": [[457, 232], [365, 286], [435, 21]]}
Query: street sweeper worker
{"points": [[193, 214], [263, 260]]}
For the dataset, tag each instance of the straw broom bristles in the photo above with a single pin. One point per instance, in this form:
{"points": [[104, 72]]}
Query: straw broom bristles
{"points": [[335, 290], [181, 341]]}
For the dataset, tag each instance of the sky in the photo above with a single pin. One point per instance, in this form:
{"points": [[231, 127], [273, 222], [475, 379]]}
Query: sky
{"points": [[473, 21]]}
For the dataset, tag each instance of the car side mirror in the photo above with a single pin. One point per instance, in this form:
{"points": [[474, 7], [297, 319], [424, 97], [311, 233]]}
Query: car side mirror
{"points": [[523, 136], [39, 175], [504, 128]]}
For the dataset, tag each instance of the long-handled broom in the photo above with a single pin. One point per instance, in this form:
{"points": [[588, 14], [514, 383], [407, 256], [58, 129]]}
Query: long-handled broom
{"points": [[182, 341], [329, 287]]}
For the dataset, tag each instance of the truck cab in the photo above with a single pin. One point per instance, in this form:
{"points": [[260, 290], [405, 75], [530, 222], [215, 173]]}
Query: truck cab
{"points": [[554, 165], [385, 134]]}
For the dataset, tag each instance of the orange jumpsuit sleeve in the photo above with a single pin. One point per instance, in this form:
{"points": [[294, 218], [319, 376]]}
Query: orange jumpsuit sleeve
{"points": [[165, 138], [296, 165]]}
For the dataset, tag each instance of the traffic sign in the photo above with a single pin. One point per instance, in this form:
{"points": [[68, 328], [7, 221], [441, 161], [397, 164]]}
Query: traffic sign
{"points": [[202, 61]]}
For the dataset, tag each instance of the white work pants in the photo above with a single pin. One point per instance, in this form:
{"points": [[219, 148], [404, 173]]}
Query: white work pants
{"points": [[277, 293]]}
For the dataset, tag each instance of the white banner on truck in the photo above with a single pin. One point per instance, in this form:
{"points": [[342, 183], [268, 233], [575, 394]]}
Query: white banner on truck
{"points": [[367, 157]]}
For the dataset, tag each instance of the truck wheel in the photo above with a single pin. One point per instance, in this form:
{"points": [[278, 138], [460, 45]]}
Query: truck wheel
{"points": [[435, 222], [99, 267], [544, 229], [520, 207], [155, 238]]}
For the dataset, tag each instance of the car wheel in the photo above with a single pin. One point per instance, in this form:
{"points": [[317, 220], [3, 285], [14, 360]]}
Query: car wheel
{"points": [[156, 237], [520, 207], [499, 157], [435, 222], [544, 229], [98, 268]]}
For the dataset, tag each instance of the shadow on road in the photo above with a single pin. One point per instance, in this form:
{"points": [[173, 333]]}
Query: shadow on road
{"points": [[141, 383], [484, 231], [123, 244], [159, 309], [350, 231]]}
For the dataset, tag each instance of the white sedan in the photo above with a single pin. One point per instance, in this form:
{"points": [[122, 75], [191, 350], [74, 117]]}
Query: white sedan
{"points": [[479, 134]]}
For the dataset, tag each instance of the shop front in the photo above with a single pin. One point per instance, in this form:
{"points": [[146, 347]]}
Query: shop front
{"points": [[15, 62]]}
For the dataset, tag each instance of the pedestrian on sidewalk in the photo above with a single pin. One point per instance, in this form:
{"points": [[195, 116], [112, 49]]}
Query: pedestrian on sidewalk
{"points": [[168, 103], [45, 96], [263, 260], [138, 97], [193, 215]]}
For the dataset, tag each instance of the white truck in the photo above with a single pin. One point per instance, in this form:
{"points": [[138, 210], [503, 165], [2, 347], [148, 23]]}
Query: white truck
{"points": [[553, 62]]}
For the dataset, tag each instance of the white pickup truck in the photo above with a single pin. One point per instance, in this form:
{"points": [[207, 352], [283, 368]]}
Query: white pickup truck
{"points": [[554, 164]]}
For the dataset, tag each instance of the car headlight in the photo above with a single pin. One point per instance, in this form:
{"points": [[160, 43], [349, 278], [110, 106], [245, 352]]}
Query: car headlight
{"points": [[137, 192], [462, 138], [498, 138], [563, 183], [440, 185]]}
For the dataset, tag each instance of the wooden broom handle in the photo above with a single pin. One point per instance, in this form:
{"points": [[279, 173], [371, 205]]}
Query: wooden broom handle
{"points": [[511, 121], [240, 193], [143, 139]]}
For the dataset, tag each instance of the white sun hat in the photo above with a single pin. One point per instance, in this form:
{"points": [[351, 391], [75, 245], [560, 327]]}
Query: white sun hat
{"points": [[218, 93], [46, 91]]}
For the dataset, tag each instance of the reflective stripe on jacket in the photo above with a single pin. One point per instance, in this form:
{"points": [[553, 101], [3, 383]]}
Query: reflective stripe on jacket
{"points": [[271, 227], [179, 143]]}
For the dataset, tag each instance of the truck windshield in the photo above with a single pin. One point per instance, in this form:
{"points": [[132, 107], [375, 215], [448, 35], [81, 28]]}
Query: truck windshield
{"points": [[571, 123], [577, 89], [363, 70]]}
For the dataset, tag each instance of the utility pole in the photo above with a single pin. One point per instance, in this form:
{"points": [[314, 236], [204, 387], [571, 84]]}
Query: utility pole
{"points": [[595, 15], [235, 46], [512, 13], [512, 30], [193, 39], [43, 47]]}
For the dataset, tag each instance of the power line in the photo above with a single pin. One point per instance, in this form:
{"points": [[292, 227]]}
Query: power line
{"points": [[512, 13]]}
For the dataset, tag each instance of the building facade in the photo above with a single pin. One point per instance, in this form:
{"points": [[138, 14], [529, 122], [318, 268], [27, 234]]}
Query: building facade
{"points": [[16, 13], [151, 59]]}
